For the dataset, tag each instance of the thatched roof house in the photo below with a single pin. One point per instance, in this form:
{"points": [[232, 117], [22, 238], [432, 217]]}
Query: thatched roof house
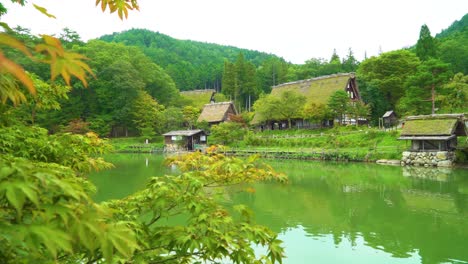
{"points": [[201, 97], [216, 113], [434, 132], [318, 90]]}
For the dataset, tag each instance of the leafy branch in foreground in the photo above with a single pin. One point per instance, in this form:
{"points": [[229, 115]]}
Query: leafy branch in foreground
{"points": [[46, 214], [180, 219]]}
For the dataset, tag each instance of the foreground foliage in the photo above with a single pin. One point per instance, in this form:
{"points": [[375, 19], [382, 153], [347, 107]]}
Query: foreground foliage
{"points": [[207, 230], [46, 211], [47, 214]]}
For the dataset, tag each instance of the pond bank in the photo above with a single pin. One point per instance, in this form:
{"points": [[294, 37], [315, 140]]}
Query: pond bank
{"points": [[328, 155]]}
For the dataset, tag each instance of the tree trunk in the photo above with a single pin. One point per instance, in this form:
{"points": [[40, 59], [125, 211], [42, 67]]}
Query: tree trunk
{"points": [[433, 98]]}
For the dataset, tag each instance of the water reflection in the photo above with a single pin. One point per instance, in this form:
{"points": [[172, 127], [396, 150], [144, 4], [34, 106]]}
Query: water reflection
{"points": [[342, 212], [421, 219]]}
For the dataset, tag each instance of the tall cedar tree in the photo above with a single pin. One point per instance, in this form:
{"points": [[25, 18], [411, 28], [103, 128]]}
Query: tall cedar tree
{"points": [[425, 47]]}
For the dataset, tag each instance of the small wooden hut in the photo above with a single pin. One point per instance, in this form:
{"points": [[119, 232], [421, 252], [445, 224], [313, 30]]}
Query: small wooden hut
{"points": [[389, 119], [215, 113], [434, 132], [184, 140]]}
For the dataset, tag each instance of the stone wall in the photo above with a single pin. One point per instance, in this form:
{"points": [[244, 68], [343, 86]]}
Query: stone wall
{"points": [[428, 158]]}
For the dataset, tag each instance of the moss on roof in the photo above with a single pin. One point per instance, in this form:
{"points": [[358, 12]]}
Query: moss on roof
{"points": [[199, 98], [216, 112], [316, 90], [429, 127]]}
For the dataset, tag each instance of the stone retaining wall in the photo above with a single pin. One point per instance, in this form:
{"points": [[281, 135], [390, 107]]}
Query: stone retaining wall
{"points": [[428, 158]]}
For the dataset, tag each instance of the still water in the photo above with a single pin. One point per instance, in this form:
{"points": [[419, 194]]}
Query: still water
{"points": [[340, 212]]}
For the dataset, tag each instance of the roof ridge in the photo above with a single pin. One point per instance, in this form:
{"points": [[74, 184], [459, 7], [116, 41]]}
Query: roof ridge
{"points": [[199, 90], [351, 74], [219, 103], [436, 116]]}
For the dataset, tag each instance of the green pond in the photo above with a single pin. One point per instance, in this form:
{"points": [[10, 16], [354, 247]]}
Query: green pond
{"points": [[340, 212]]}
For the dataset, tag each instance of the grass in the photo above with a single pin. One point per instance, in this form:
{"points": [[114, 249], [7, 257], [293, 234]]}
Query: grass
{"points": [[353, 143], [136, 144]]}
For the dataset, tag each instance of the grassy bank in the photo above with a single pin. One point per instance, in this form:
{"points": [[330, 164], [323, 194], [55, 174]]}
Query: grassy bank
{"points": [[340, 143], [137, 145]]}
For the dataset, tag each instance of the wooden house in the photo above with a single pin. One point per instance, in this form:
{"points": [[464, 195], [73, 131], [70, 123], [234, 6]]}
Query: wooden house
{"points": [[389, 119], [317, 90], [433, 132], [215, 113], [184, 140]]}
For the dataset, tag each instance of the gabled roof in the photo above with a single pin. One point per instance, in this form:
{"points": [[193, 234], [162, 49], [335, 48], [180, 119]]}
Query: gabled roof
{"points": [[186, 133], [434, 125], [217, 112], [388, 114], [318, 90]]}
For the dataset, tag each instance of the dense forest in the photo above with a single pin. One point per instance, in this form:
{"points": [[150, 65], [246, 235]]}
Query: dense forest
{"points": [[137, 75]]}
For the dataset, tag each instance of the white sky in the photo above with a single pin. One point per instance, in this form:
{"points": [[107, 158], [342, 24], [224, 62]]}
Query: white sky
{"points": [[296, 30]]}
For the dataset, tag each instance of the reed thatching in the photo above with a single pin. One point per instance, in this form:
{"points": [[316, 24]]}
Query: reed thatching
{"points": [[318, 90], [217, 112], [435, 125]]}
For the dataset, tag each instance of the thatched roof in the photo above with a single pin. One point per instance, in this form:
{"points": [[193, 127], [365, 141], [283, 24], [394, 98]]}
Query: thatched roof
{"points": [[201, 97], [186, 133], [434, 125], [318, 90], [217, 112]]}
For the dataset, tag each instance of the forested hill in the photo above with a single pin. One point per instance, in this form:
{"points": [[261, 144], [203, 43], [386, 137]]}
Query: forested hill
{"points": [[457, 27], [453, 45], [191, 64]]}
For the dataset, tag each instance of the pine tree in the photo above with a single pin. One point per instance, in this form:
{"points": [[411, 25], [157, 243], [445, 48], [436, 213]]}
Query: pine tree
{"points": [[425, 47]]}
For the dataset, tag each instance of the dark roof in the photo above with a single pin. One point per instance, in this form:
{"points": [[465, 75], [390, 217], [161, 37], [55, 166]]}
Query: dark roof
{"points": [[434, 125], [216, 112], [186, 133]]}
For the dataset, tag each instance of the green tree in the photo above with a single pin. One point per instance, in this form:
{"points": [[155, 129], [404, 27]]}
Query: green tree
{"points": [[265, 108], [454, 51], [227, 133], [190, 114], [338, 105], [425, 47], [239, 82], [272, 72], [389, 72], [229, 83], [375, 99], [316, 112], [147, 115], [420, 96], [47, 98], [359, 110], [173, 119], [289, 105], [350, 63], [454, 95]]}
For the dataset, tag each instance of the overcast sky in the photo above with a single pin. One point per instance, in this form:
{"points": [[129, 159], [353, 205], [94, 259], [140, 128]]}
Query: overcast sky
{"points": [[296, 30]]}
